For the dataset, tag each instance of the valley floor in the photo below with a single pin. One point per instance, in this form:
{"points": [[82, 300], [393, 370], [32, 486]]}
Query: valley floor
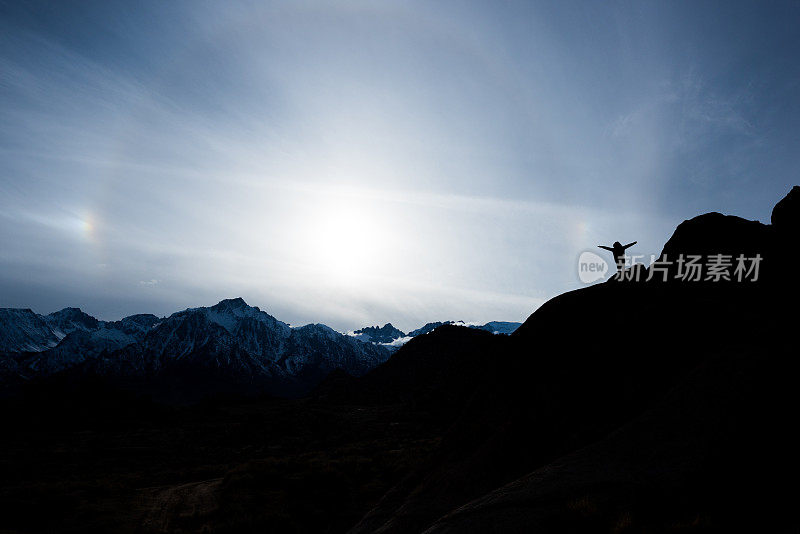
{"points": [[125, 465]]}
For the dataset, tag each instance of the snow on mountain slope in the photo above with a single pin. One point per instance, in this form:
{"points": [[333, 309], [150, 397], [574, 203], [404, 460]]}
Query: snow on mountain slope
{"points": [[69, 320], [255, 331], [22, 330], [75, 348]]}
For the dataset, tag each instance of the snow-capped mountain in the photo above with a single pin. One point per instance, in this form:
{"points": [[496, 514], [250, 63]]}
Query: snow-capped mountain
{"points": [[22, 330], [243, 343], [377, 334], [230, 340]]}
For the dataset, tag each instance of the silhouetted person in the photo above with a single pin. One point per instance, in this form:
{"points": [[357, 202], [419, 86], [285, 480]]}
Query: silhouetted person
{"points": [[619, 253]]}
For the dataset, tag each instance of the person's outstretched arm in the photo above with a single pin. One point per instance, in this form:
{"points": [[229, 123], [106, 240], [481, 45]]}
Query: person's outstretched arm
{"points": [[607, 248], [629, 245]]}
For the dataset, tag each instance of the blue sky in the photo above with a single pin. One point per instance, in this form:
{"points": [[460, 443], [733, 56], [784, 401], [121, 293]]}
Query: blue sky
{"points": [[358, 162]]}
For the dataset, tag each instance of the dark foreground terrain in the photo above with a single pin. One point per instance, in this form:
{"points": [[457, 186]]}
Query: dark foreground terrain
{"points": [[70, 464], [627, 406]]}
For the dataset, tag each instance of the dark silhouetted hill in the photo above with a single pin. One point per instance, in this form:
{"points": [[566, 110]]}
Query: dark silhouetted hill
{"points": [[435, 373], [624, 405]]}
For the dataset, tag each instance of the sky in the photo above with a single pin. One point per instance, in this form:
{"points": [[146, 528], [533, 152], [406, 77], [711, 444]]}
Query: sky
{"points": [[356, 163]]}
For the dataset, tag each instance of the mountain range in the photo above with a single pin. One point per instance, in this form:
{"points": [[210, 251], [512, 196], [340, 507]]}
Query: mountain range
{"points": [[230, 345]]}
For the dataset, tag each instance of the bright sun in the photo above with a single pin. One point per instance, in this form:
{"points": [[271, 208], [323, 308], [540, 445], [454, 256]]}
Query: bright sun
{"points": [[347, 241]]}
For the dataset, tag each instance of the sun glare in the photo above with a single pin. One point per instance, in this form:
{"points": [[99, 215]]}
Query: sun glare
{"points": [[346, 241]]}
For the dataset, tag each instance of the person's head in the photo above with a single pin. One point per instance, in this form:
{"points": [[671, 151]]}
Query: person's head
{"points": [[617, 244]]}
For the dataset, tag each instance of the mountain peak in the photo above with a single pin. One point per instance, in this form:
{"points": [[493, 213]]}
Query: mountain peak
{"points": [[70, 319], [378, 334], [234, 303], [68, 312]]}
